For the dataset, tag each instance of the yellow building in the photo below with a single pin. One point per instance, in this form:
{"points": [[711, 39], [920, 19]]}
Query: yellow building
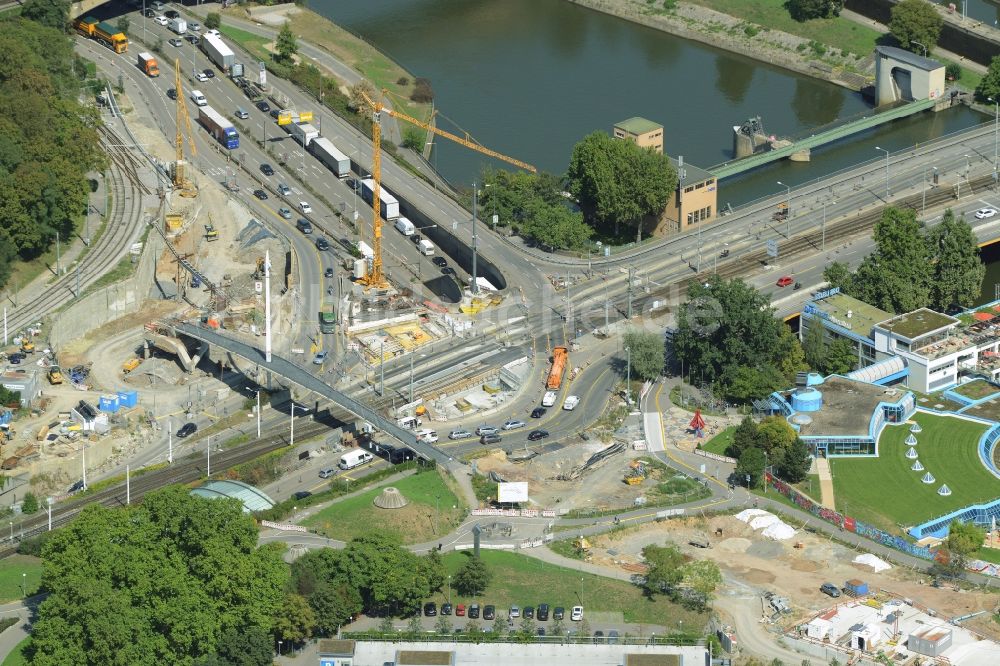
{"points": [[696, 199]]}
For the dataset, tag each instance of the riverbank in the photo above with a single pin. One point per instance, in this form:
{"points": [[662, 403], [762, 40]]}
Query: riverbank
{"points": [[707, 26]]}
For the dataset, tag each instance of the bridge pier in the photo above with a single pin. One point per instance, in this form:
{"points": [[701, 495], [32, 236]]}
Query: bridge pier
{"points": [[803, 155]]}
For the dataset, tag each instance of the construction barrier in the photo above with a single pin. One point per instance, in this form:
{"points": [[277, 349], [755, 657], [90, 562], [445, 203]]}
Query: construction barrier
{"points": [[283, 526]]}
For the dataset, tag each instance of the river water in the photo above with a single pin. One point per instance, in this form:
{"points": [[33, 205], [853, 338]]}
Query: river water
{"points": [[529, 78]]}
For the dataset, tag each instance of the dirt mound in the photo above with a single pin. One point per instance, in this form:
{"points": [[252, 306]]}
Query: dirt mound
{"points": [[735, 545]]}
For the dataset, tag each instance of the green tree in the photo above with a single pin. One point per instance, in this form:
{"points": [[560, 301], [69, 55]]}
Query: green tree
{"points": [[414, 626], [286, 44], [555, 226], [294, 620], [814, 345], [794, 464], [701, 577], [915, 24], [385, 625], [50, 13], [527, 626], [743, 384], [433, 568], [776, 434], [841, 357], [213, 21], [246, 646], [839, 275], [665, 569], [29, 504], [473, 578], [647, 353], [804, 10], [390, 579], [123, 24], [168, 577], [989, 85], [615, 181], [745, 436], [958, 270], [751, 463], [500, 625], [897, 275], [790, 358], [334, 603], [414, 139], [964, 539]]}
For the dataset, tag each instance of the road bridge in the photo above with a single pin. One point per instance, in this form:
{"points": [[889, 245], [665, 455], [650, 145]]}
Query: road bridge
{"points": [[735, 167], [296, 375]]}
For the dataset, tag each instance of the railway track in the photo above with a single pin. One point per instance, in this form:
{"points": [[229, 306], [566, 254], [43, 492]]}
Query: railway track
{"points": [[121, 228], [187, 470]]}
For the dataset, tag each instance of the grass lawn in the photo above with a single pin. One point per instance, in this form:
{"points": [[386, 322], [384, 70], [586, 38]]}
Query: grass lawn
{"points": [[884, 491], [248, 40], [977, 390], [522, 580], [988, 555], [16, 656], [720, 442], [931, 401], [414, 523], [11, 569], [837, 32], [809, 486]]}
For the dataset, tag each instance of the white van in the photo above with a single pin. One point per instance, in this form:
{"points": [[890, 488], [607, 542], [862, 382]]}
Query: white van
{"points": [[198, 98], [571, 402], [428, 436], [352, 459], [178, 25], [426, 247], [404, 226], [549, 399], [409, 422]]}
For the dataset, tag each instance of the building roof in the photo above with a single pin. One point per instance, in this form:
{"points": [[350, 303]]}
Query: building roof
{"points": [[692, 174], [424, 658], [638, 125], [653, 660], [848, 406], [251, 498], [331, 647], [920, 322], [912, 59], [848, 312]]}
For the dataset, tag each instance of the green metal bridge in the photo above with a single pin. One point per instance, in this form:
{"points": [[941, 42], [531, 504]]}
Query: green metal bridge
{"points": [[728, 169]]}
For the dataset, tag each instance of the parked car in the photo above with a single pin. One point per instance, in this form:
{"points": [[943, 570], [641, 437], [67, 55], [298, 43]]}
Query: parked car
{"points": [[529, 612], [489, 439], [187, 429], [577, 614], [538, 412], [514, 424], [445, 609], [612, 637], [558, 613], [474, 611], [830, 589], [302, 494], [489, 613], [459, 434], [784, 281], [439, 261], [285, 213], [543, 612], [430, 609], [460, 610], [514, 613], [536, 435], [598, 636], [260, 194], [76, 487], [267, 169]]}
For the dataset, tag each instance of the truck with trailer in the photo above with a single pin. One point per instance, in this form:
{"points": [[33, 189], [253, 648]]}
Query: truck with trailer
{"points": [[219, 127], [388, 204], [103, 32], [147, 63], [560, 357], [327, 153], [217, 51], [178, 25], [304, 133]]}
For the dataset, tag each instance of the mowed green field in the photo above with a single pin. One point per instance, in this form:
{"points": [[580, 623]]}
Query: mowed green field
{"points": [[884, 491], [18, 570], [527, 581], [417, 522]]}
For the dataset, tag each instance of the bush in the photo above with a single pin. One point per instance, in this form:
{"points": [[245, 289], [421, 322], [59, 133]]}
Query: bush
{"points": [[750, 30], [422, 91], [402, 81], [413, 139], [953, 72], [213, 21], [29, 504], [33, 545]]}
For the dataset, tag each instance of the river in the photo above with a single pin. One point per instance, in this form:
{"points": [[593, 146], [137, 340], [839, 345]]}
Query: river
{"points": [[529, 78]]}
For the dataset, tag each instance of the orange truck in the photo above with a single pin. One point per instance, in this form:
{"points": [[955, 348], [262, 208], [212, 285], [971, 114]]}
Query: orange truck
{"points": [[147, 63], [560, 357], [103, 32]]}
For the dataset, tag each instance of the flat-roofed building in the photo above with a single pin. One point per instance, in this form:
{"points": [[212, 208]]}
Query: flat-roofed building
{"points": [[643, 133]]}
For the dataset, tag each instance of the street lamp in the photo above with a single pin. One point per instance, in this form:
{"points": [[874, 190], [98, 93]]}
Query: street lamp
{"points": [[886, 172], [279, 648], [48, 500], [257, 392], [628, 376], [923, 203], [996, 121], [823, 227], [921, 46], [291, 422], [449, 590], [788, 210], [24, 584]]}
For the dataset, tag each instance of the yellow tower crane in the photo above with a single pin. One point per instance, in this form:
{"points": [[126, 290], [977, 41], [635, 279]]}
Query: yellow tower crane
{"points": [[183, 120], [375, 277]]}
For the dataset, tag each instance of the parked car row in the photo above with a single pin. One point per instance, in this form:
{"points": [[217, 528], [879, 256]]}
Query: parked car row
{"points": [[488, 611]]}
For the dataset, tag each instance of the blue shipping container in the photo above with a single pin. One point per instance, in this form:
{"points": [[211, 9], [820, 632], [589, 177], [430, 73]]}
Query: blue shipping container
{"points": [[128, 398], [108, 403]]}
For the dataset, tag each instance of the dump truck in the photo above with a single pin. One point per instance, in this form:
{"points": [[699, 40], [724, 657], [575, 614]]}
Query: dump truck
{"points": [[560, 357], [102, 32], [55, 375], [147, 63]]}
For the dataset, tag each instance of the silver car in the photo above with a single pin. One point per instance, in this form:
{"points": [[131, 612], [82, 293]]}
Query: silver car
{"points": [[514, 425], [459, 434]]}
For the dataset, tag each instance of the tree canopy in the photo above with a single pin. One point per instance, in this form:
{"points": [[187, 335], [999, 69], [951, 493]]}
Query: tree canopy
{"points": [[958, 272], [989, 85], [804, 10], [161, 582], [50, 13], [916, 25], [286, 45], [473, 578], [617, 182], [647, 353], [727, 335]]}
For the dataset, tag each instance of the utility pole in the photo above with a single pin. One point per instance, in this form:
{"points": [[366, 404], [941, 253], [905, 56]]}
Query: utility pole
{"points": [[58, 268], [208, 454], [629, 311], [381, 369], [628, 376], [170, 441], [258, 412], [475, 241], [128, 486], [411, 377]]}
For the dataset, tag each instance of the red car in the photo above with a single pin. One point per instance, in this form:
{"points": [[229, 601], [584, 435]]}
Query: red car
{"points": [[460, 610], [785, 280]]}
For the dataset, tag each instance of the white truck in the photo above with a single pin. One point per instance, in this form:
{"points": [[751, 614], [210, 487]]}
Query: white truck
{"points": [[354, 458], [217, 51], [549, 399], [178, 25], [404, 226], [331, 156], [426, 247], [303, 133], [571, 402], [366, 250], [388, 204]]}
